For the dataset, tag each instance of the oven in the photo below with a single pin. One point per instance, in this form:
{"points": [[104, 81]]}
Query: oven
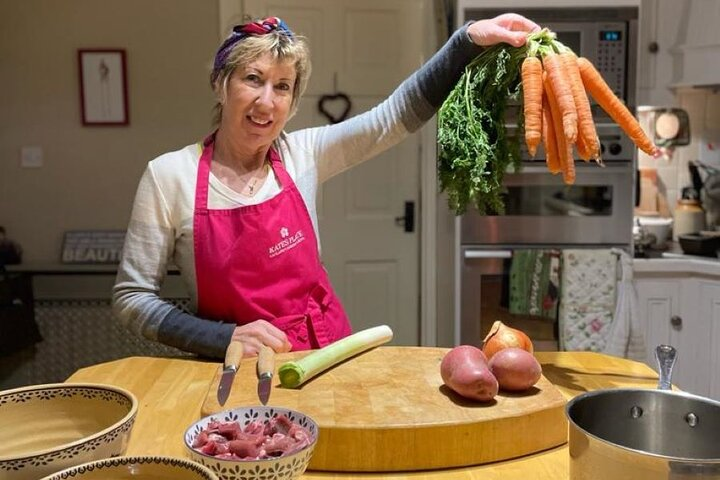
{"points": [[541, 210], [543, 216]]}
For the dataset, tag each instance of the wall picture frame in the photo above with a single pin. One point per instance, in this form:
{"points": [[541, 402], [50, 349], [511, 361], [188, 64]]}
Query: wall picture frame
{"points": [[103, 86]]}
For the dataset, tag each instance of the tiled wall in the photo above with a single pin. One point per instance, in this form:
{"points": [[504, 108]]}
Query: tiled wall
{"points": [[703, 108]]}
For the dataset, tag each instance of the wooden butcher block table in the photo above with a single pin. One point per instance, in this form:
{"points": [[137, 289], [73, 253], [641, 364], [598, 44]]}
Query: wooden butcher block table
{"points": [[171, 393], [392, 402]]}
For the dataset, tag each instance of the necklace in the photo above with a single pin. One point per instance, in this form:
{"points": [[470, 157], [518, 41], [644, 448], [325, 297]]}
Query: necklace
{"points": [[250, 185], [247, 183]]}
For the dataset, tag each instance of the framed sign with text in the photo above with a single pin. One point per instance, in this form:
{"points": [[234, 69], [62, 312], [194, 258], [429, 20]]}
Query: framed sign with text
{"points": [[92, 246]]}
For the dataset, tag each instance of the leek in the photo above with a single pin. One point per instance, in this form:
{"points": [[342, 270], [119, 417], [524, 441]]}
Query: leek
{"points": [[294, 373]]}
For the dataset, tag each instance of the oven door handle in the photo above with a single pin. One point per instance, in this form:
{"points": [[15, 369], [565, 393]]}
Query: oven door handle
{"points": [[591, 169], [487, 253]]}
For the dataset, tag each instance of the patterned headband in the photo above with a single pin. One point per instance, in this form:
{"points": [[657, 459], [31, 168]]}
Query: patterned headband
{"points": [[239, 32]]}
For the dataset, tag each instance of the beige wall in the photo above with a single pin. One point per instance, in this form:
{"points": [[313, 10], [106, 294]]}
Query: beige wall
{"points": [[90, 173]]}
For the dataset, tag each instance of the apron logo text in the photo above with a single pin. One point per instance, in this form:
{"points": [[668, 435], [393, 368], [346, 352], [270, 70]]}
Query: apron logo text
{"points": [[287, 243]]}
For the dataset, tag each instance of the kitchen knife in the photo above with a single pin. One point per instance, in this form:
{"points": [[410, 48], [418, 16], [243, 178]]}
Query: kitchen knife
{"points": [[265, 370], [233, 355]]}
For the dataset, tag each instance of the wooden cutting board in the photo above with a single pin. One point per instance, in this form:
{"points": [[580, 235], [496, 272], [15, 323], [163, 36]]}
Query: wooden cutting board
{"points": [[388, 410]]}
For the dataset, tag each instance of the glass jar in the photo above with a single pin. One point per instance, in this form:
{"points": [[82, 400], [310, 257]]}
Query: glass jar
{"points": [[689, 217]]}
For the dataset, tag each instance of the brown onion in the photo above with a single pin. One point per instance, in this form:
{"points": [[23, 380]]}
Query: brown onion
{"points": [[501, 336]]}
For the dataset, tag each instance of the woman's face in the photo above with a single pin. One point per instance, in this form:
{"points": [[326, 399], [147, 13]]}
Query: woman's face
{"points": [[258, 101]]}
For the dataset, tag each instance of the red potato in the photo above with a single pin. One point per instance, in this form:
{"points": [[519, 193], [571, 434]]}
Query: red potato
{"points": [[464, 369], [515, 369]]}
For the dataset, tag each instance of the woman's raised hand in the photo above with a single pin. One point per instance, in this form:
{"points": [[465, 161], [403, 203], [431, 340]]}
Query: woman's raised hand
{"points": [[510, 28], [261, 332]]}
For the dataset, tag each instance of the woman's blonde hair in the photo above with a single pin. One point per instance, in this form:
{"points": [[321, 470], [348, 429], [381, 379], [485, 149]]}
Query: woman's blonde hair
{"points": [[281, 46]]}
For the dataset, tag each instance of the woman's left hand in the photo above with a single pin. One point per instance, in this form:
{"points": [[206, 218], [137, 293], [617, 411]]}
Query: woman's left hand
{"points": [[255, 334], [509, 28]]}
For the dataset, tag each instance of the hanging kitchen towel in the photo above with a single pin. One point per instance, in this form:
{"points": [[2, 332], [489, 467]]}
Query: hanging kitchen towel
{"points": [[625, 337], [534, 279], [587, 299]]}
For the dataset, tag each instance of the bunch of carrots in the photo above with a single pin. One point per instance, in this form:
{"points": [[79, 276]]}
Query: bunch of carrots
{"points": [[476, 149], [555, 84]]}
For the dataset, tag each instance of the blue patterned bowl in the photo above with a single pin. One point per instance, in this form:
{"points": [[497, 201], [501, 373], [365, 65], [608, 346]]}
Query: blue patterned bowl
{"points": [[48, 428], [286, 467], [137, 468]]}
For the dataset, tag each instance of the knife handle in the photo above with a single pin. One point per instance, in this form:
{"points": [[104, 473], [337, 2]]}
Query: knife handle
{"points": [[266, 361], [234, 354]]}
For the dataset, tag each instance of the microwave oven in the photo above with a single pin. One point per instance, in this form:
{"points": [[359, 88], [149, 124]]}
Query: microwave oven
{"points": [[608, 37]]}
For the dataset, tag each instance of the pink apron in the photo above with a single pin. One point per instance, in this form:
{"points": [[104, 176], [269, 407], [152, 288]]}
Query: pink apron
{"points": [[261, 262]]}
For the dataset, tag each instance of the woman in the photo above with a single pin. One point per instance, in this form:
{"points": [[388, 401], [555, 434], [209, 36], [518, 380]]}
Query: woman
{"points": [[237, 212]]}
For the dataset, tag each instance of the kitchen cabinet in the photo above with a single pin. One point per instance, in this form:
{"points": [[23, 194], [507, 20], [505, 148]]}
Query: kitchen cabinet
{"points": [[659, 28], [681, 307], [699, 44], [679, 44], [648, 49]]}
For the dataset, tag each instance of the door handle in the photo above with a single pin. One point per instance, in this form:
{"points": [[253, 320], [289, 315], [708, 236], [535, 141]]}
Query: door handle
{"points": [[470, 254], [407, 221]]}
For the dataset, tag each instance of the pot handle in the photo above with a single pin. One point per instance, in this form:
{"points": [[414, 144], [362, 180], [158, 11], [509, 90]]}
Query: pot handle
{"points": [[665, 356]]}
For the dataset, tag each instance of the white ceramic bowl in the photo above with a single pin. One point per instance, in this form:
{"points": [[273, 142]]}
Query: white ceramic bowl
{"points": [[136, 468], [48, 428], [286, 467], [658, 226]]}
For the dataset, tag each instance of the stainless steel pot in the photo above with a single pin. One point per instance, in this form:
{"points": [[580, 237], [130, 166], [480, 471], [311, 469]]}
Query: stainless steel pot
{"points": [[643, 433]]}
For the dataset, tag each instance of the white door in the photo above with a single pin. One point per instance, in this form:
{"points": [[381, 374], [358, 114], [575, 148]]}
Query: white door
{"points": [[364, 49]]}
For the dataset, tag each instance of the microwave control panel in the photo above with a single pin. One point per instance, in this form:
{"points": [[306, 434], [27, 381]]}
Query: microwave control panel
{"points": [[612, 55]]}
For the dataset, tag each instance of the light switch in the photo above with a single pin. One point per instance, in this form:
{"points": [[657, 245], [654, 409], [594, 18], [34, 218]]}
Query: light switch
{"points": [[31, 157]]}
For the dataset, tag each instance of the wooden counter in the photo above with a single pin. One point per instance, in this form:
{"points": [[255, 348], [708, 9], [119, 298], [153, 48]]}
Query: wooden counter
{"points": [[171, 392]]}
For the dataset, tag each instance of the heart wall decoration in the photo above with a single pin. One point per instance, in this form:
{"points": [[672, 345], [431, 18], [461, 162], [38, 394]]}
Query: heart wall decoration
{"points": [[335, 107]]}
